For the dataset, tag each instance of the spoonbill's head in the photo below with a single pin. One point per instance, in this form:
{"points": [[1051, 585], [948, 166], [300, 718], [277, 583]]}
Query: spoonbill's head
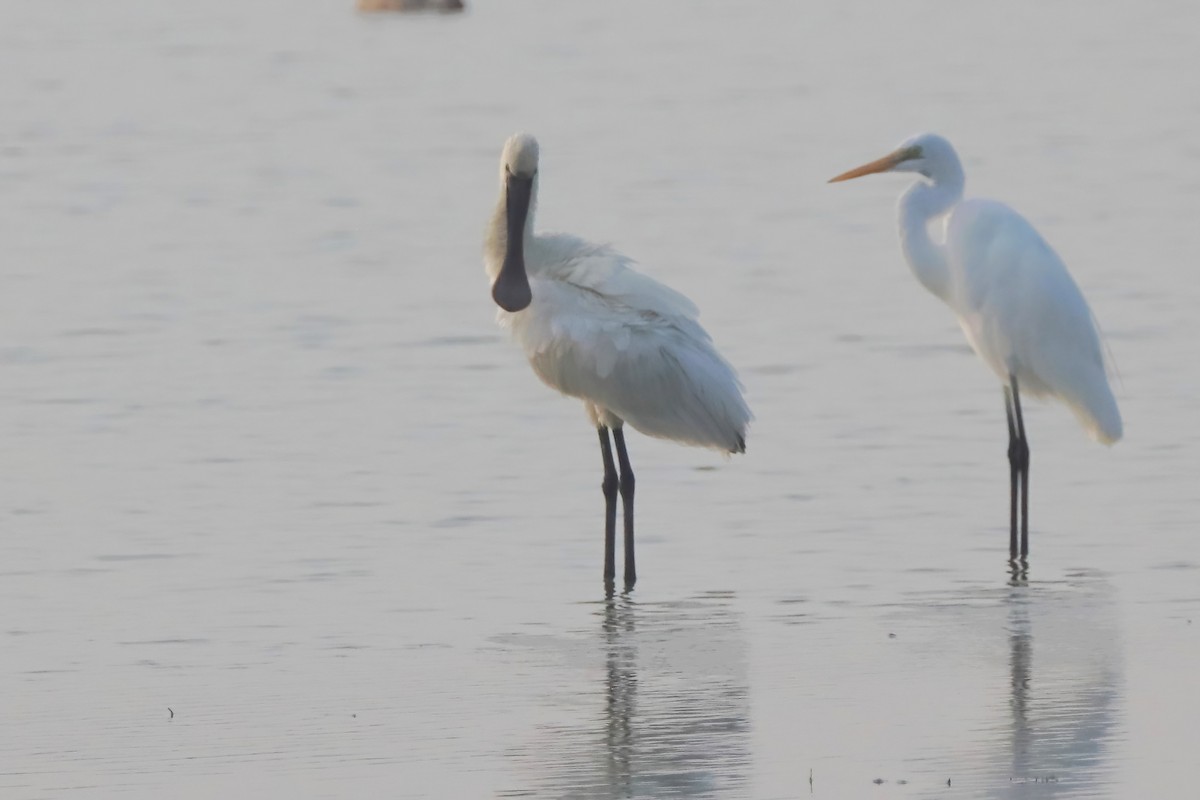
{"points": [[518, 171], [926, 154], [520, 156]]}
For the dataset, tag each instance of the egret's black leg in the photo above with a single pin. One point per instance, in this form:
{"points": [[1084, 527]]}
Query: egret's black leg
{"points": [[627, 482], [1012, 475], [1023, 466], [610, 507]]}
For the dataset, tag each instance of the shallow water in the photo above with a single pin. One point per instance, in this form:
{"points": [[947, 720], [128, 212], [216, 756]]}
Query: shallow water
{"points": [[269, 464]]}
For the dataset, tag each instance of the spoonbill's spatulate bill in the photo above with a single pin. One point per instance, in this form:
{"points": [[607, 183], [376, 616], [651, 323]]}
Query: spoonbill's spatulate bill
{"points": [[1017, 304], [595, 328]]}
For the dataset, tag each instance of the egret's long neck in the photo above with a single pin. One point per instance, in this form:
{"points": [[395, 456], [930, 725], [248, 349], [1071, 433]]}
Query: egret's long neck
{"points": [[495, 242], [920, 205]]}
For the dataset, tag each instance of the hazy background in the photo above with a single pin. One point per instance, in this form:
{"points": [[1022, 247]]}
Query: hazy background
{"points": [[266, 460]]}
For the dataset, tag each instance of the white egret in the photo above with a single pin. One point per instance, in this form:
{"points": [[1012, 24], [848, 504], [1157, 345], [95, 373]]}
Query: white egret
{"points": [[595, 328], [1019, 307]]}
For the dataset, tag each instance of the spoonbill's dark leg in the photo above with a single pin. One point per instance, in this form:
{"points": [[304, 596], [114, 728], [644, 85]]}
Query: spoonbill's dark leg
{"points": [[1012, 475], [626, 485], [1023, 466], [610, 506]]}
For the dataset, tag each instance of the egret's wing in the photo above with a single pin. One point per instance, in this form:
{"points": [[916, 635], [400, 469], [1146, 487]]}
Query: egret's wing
{"points": [[1024, 313]]}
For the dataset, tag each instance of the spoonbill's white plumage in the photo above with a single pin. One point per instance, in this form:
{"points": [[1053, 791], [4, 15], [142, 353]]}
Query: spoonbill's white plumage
{"points": [[594, 328], [1020, 309]]}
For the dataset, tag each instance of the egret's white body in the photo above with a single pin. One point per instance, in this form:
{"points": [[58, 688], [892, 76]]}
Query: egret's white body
{"points": [[1024, 315], [595, 328], [1018, 305]]}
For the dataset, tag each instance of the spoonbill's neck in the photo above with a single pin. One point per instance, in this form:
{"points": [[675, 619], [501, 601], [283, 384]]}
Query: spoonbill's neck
{"points": [[496, 241], [920, 205]]}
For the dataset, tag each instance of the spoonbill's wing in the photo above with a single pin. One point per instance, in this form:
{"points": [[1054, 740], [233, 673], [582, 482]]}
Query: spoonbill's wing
{"points": [[603, 332], [601, 269]]}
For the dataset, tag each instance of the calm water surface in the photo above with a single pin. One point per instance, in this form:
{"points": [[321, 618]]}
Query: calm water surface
{"points": [[268, 463]]}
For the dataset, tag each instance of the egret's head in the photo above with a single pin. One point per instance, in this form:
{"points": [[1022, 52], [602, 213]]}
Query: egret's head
{"points": [[520, 157], [926, 154]]}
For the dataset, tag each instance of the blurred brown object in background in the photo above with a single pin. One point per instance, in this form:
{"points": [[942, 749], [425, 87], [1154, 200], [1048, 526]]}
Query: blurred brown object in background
{"points": [[410, 5]]}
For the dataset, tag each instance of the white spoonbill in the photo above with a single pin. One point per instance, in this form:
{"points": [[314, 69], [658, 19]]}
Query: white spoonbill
{"points": [[1018, 306], [595, 328]]}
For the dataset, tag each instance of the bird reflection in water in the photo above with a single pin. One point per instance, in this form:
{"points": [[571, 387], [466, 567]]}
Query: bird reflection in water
{"points": [[1064, 690], [620, 668], [673, 716]]}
